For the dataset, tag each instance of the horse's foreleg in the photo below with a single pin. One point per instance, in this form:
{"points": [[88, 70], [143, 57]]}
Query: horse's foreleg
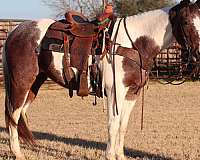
{"points": [[124, 118], [113, 128]]}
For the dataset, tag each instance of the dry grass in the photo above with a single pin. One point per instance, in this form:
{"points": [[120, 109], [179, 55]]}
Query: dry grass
{"points": [[73, 129]]}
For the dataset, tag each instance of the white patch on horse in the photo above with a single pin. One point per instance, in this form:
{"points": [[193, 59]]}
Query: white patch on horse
{"points": [[23, 112], [58, 61], [153, 24], [196, 22], [88, 76], [43, 25], [117, 124]]}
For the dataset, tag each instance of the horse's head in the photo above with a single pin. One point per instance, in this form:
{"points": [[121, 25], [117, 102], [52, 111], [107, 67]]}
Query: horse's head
{"points": [[185, 20]]}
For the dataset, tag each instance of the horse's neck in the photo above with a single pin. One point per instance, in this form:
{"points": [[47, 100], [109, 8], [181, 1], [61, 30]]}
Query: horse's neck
{"points": [[153, 24]]}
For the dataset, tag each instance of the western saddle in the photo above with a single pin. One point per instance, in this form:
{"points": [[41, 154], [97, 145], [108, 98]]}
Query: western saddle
{"points": [[77, 37]]}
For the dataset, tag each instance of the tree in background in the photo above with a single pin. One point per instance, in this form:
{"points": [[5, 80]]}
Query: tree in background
{"points": [[93, 7], [86, 7], [131, 7]]}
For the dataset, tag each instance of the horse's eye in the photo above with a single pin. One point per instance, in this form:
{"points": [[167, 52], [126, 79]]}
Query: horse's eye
{"points": [[185, 23]]}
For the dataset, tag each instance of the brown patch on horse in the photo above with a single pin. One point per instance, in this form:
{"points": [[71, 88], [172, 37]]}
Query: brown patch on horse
{"points": [[148, 49], [40, 79], [20, 69], [22, 60]]}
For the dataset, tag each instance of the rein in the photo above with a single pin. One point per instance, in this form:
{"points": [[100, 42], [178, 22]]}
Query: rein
{"points": [[112, 55], [188, 47], [136, 48], [113, 67], [141, 64]]}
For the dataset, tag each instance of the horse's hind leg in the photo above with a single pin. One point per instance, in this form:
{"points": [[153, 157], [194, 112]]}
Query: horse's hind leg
{"points": [[12, 122], [18, 124], [40, 79]]}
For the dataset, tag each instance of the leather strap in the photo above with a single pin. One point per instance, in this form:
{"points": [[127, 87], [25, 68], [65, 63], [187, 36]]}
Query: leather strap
{"points": [[136, 48], [113, 67], [67, 70]]}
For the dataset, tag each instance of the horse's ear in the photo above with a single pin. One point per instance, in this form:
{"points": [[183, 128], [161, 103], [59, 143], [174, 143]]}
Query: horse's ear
{"points": [[198, 2], [186, 2]]}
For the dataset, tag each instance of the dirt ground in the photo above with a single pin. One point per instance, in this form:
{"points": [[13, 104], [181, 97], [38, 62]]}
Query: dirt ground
{"points": [[73, 129]]}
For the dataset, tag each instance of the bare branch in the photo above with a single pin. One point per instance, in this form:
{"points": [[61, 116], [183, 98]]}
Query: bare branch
{"points": [[87, 7]]}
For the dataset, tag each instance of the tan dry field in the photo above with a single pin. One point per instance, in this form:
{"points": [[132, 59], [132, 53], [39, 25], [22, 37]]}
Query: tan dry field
{"points": [[73, 129]]}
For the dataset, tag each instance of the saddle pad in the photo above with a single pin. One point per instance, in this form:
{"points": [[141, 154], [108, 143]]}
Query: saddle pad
{"points": [[54, 37]]}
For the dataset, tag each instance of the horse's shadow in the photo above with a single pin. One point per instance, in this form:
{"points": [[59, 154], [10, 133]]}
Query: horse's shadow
{"points": [[78, 142]]}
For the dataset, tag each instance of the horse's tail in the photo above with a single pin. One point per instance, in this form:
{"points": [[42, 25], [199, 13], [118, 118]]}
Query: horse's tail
{"points": [[23, 131]]}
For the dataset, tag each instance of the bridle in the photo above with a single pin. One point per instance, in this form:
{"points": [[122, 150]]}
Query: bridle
{"points": [[187, 45]]}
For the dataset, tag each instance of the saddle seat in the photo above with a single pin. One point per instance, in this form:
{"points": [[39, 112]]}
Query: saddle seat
{"points": [[76, 17], [80, 25]]}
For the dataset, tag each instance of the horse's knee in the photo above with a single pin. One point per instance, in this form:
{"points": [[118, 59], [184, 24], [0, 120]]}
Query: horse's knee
{"points": [[122, 131], [113, 129], [114, 123]]}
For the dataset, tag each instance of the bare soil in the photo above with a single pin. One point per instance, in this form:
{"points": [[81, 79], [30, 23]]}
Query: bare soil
{"points": [[73, 129]]}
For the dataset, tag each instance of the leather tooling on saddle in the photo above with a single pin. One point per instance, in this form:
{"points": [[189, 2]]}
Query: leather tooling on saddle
{"points": [[77, 38]]}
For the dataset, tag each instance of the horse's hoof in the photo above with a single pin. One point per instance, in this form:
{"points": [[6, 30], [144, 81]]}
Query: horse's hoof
{"points": [[121, 157], [110, 157], [21, 157]]}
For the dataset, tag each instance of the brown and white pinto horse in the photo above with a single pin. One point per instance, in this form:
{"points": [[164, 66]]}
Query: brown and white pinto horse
{"points": [[26, 68]]}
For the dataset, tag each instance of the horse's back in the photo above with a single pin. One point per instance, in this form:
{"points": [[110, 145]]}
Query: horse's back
{"points": [[28, 35]]}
